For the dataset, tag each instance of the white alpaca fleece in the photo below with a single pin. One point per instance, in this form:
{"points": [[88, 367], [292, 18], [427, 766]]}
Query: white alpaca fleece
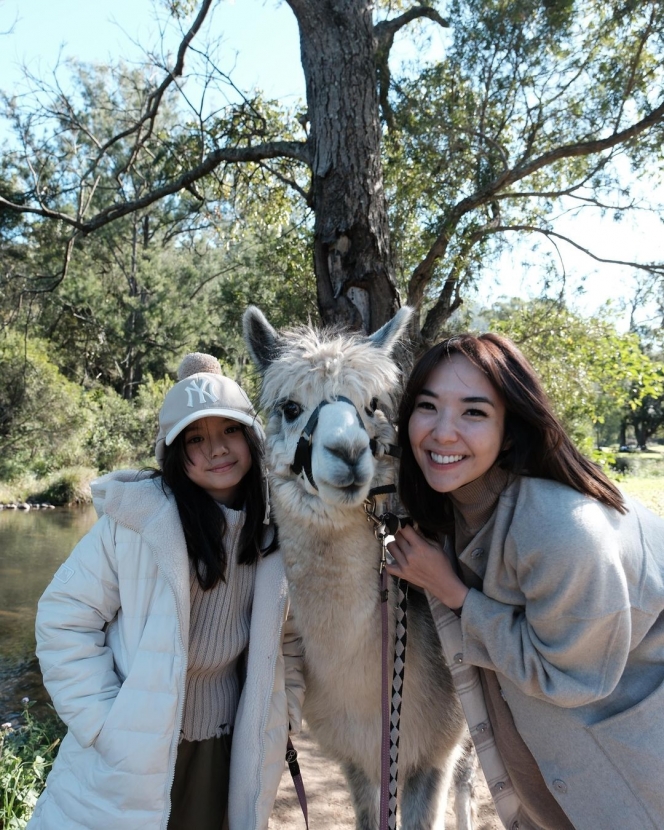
{"points": [[112, 637], [313, 362], [331, 558]]}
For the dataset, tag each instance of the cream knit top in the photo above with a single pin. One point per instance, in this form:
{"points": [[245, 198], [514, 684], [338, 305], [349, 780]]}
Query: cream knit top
{"points": [[218, 635]]}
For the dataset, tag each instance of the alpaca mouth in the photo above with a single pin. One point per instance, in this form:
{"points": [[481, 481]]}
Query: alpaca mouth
{"points": [[345, 492], [350, 480], [350, 494]]}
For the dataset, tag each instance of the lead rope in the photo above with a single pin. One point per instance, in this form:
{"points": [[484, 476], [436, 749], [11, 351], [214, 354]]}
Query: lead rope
{"points": [[384, 526], [298, 783]]}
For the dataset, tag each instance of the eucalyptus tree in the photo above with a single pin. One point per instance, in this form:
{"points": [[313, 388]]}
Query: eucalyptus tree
{"points": [[414, 174]]}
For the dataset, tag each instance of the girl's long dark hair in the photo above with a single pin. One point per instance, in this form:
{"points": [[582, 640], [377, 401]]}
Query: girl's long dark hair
{"points": [[203, 522], [535, 442]]}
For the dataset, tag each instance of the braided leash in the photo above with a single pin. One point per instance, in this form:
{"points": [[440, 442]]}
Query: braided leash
{"points": [[387, 525], [400, 640]]}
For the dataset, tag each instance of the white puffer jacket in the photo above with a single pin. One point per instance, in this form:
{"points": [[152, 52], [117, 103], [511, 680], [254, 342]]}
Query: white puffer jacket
{"points": [[112, 634]]}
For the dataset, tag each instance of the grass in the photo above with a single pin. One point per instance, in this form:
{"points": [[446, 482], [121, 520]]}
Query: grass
{"points": [[641, 475], [649, 491]]}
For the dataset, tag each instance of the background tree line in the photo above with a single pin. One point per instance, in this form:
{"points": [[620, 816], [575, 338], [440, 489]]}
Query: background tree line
{"points": [[143, 207]]}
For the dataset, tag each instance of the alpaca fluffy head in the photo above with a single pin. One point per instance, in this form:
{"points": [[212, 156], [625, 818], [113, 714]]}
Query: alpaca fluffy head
{"points": [[302, 367]]}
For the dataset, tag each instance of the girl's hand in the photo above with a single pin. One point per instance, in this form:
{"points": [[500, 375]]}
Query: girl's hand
{"points": [[424, 564]]}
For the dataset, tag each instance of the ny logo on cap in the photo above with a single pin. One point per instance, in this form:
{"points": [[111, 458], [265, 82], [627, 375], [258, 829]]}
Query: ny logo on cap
{"points": [[203, 390]]}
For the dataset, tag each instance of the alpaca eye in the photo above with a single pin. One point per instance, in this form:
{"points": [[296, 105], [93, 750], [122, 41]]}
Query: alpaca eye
{"points": [[372, 407], [292, 411]]}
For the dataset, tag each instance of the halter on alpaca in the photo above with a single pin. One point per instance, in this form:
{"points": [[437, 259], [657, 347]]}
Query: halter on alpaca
{"points": [[302, 459]]}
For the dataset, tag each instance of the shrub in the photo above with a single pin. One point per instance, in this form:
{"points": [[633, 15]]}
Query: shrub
{"points": [[27, 753], [40, 410], [69, 486]]}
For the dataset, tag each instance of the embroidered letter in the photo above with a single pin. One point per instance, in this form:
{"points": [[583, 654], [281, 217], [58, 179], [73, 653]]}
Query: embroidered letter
{"points": [[203, 390]]}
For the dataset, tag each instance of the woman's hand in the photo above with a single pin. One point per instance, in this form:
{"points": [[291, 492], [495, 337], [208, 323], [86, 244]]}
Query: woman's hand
{"points": [[423, 563]]}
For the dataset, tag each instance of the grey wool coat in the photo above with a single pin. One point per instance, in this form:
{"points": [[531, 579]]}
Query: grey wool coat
{"points": [[571, 619]]}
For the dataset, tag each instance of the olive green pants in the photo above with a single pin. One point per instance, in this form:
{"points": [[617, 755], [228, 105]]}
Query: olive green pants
{"points": [[199, 795]]}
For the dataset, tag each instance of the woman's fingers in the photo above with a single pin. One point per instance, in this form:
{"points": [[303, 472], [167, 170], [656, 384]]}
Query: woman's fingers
{"points": [[397, 553]]}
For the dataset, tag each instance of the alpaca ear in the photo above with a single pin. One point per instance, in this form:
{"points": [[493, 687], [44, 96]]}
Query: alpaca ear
{"points": [[387, 336], [261, 339]]}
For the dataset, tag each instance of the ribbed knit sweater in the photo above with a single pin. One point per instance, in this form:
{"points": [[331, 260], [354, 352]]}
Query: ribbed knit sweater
{"points": [[218, 635]]}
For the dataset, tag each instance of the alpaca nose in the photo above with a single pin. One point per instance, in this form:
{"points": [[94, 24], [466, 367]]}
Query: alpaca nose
{"points": [[344, 449], [349, 454]]}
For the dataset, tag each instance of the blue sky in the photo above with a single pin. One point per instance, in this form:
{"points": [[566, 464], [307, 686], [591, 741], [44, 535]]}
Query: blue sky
{"points": [[259, 41], [262, 36]]}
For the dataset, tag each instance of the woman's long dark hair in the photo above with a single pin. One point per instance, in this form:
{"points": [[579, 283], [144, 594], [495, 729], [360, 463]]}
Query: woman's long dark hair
{"points": [[535, 442], [204, 524]]}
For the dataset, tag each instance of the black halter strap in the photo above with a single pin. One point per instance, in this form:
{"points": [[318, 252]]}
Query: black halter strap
{"points": [[302, 457]]}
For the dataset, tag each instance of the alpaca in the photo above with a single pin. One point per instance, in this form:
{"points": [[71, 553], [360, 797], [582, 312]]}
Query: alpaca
{"points": [[331, 558]]}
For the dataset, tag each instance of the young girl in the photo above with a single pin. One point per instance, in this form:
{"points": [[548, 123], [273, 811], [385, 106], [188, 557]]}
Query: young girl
{"points": [[163, 638], [547, 588]]}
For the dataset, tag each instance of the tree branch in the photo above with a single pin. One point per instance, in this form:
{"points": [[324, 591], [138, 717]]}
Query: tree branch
{"points": [[449, 298], [581, 148], [155, 98], [422, 273], [54, 281], [297, 150], [305, 194], [384, 33], [651, 268]]}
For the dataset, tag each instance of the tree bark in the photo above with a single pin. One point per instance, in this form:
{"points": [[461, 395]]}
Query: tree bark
{"points": [[352, 256]]}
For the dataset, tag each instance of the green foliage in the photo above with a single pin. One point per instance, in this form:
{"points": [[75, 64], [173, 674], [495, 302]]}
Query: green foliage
{"points": [[171, 277], [48, 423], [589, 370], [27, 753], [518, 81], [40, 410], [109, 441]]}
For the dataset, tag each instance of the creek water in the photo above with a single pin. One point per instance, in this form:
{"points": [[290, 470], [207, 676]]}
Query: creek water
{"points": [[33, 544]]}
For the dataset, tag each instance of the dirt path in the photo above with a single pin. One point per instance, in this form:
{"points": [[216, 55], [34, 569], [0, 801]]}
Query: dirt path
{"points": [[327, 797]]}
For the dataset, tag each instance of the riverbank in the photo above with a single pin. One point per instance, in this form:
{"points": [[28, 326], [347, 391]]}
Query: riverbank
{"points": [[67, 487]]}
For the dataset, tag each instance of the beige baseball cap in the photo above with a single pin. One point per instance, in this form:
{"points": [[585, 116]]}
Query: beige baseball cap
{"points": [[202, 394]]}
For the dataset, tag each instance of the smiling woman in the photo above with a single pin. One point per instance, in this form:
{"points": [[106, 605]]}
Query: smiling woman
{"points": [[546, 589], [457, 426]]}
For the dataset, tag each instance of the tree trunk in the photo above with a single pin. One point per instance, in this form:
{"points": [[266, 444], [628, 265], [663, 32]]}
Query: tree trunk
{"points": [[622, 439], [641, 435], [352, 256]]}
